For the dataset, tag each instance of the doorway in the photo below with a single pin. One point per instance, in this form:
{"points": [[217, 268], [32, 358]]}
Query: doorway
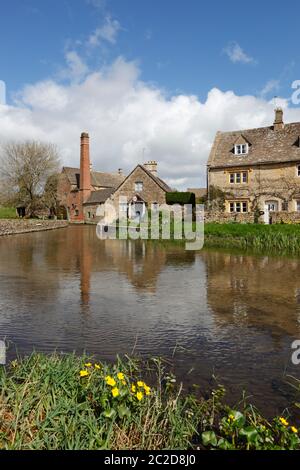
{"points": [[270, 206]]}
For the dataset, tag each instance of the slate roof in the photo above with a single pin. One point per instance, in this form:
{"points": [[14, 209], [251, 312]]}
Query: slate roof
{"points": [[157, 180], [98, 197], [105, 180], [199, 192], [266, 146]]}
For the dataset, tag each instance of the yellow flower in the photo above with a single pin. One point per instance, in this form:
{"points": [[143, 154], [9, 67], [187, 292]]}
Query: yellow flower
{"points": [[283, 421], [147, 389], [140, 383], [231, 417], [133, 388], [124, 382], [97, 366], [115, 392], [139, 396], [295, 430], [88, 364], [110, 381], [84, 373], [120, 376]]}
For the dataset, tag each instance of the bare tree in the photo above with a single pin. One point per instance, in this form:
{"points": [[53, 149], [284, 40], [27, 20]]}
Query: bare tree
{"points": [[26, 167]]}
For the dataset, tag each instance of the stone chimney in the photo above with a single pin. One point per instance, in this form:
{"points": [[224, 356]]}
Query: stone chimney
{"points": [[151, 166], [85, 167], [278, 123], [120, 171]]}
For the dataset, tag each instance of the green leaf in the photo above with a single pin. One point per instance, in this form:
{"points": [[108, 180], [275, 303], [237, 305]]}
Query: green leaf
{"points": [[250, 432], [109, 413], [209, 438], [239, 418], [224, 444], [124, 411]]}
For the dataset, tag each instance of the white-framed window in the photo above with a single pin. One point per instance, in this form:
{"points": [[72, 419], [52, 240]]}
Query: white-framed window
{"points": [[238, 206], [298, 170], [241, 149], [237, 178], [138, 186], [298, 206]]}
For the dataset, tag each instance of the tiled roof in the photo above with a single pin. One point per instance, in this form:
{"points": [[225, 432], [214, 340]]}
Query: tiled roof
{"points": [[158, 180], [266, 145], [199, 192], [98, 197], [105, 180]]}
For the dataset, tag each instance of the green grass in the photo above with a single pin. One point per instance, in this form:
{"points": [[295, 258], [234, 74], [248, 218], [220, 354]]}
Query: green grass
{"points": [[277, 238], [7, 213], [46, 404]]}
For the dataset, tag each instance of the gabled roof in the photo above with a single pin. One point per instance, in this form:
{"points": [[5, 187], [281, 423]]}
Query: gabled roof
{"points": [[267, 146], [162, 184], [105, 180], [98, 197]]}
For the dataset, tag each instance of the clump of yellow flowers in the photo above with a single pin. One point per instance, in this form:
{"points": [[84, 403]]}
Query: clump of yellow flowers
{"points": [[119, 384]]}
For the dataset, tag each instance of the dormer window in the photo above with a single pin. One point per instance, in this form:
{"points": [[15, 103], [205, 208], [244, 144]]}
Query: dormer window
{"points": [[241, 149], [298, 170]]}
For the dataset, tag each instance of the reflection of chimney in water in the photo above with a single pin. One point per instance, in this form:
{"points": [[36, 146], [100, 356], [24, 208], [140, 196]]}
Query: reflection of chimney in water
{"points": [[85, 269]]}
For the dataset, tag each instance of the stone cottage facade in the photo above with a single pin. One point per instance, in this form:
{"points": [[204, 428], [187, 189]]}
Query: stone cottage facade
{"points": [[258, 171], [82, 193], [142, 189]]}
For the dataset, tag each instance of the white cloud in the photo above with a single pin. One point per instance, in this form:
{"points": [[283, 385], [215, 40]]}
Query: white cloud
{"points": [[270, 86], [125, 115], [108, 31], [76, 67], [236, 53]]}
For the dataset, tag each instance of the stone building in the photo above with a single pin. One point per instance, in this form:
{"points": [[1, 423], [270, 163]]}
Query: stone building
{"points": [[82, 192], [258, 171], [77, 186], [142, 189]]}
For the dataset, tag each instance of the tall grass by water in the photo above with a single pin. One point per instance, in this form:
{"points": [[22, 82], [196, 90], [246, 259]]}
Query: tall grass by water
{"points": [[277, 238], [69, 402]]}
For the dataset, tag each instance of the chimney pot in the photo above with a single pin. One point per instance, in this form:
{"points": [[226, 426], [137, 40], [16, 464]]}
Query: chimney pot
{"points": [[151, 166], [278, 122]]}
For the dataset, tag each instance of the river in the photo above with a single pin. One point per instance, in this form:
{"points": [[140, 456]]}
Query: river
{"points": [[227, 315]]}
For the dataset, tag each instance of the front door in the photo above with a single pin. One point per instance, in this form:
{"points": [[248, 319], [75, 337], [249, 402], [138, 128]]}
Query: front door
{"points": [[137, 210], [270, 206]]}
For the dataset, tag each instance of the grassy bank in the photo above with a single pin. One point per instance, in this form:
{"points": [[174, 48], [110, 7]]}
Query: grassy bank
{"points": [[278, 238], [66, 402], [7, 213]]}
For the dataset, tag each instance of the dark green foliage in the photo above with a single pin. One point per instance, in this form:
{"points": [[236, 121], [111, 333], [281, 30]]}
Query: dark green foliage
{"points": [[180, 198]]}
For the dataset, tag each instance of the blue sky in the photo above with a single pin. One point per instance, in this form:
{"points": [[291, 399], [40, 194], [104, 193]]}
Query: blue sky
{"points": [[180, 45], [175, 57]]}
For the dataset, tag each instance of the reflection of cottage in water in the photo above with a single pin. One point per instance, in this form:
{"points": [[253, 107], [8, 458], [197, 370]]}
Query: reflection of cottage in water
{"points": [[250, 290]]}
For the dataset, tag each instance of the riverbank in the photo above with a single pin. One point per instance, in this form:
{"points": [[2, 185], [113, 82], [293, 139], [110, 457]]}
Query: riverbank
{"points": [[279, 238], [16, 226], [69, 402]]}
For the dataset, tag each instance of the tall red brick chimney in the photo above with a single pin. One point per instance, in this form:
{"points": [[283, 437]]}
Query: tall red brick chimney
{"points": [[85, 170]]}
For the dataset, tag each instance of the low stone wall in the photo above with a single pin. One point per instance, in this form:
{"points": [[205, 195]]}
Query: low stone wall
{"points": [[285, 217], [227, 217], [15, 226]]}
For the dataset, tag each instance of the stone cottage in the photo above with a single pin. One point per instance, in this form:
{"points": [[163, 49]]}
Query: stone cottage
{"points": [[142, 189], [82, 192], [258, 171]]}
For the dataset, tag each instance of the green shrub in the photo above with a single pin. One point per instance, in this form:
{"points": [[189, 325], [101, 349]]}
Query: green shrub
{"points": [[180, 198]]}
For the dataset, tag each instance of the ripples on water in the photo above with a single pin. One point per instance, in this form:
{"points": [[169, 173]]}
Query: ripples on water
{"points": [[231, 315]]}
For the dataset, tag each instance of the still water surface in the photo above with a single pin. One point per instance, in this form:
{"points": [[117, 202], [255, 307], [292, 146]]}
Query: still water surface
{"points": [[213, 313]]}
